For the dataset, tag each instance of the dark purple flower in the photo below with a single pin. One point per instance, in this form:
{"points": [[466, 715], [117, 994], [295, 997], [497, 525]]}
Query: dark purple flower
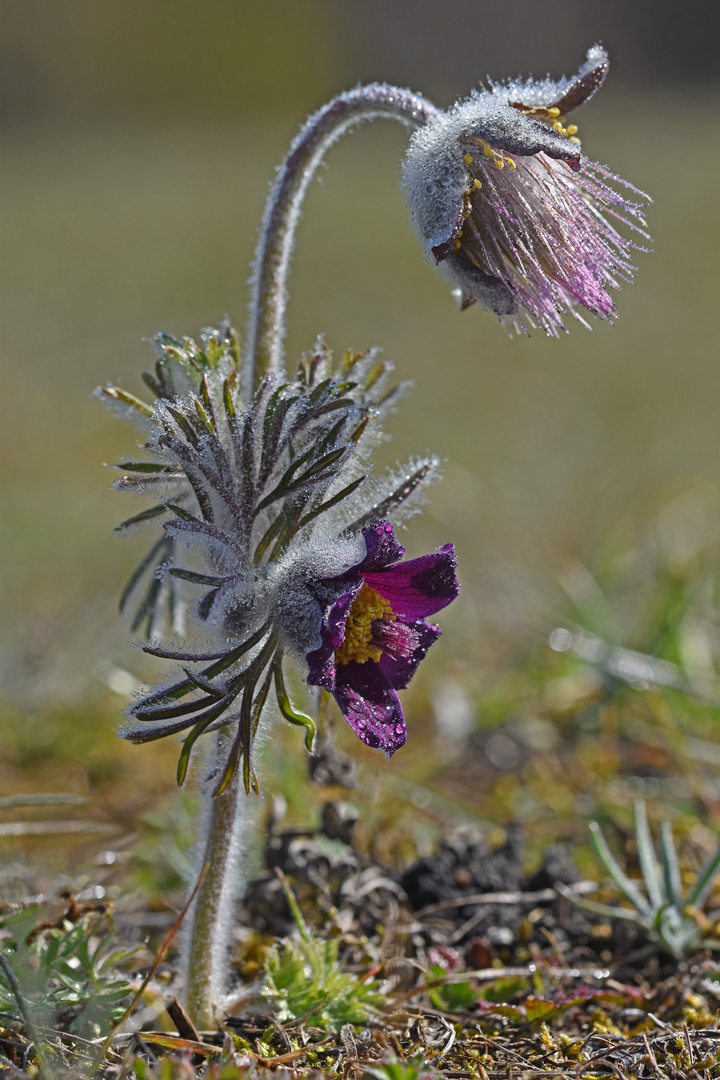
{"points": [[376, 632], [505, 203]]}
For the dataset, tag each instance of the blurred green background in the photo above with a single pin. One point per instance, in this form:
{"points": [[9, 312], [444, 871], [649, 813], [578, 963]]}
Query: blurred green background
{"points": [[137, 141]]}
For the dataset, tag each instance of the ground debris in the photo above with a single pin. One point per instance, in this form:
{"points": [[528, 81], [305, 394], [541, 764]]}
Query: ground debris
{"points": [[483, 973]]}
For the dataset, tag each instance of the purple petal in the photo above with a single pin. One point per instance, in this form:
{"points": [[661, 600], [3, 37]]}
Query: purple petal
{"points": [[321, 662], [565, 94], [589, 78], [505, 130], [399, 671], [338, 615], [418, 587], [370, 706], [382, 547]]}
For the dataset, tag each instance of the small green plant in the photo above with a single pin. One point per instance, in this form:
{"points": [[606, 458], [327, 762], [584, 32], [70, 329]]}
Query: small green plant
{"points": [[412, 1069], [450, 995], [303, 979], [673, 920], [67, 975]]}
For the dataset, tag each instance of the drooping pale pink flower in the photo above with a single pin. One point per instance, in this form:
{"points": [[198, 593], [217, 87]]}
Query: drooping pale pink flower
{"points": [[505, 202]]}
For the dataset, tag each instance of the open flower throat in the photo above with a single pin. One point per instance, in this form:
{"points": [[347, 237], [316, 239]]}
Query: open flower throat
{"points": [[372, 629], [380, 614]]}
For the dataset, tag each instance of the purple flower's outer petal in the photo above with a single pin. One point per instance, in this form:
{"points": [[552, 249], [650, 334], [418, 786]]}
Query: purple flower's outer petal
{"points": [[338, 614], [321, 662], [563, 94], [589, 78], [382, 547], [370, 706], [399, 672], [506, 129], [418, 587], [473, 285]]}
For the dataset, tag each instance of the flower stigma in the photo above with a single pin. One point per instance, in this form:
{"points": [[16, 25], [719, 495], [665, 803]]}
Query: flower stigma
{"points": [[359, 645]]}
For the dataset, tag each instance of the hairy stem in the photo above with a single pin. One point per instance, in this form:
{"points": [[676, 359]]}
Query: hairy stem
{"points": [[229, 817], [229, 827], [282, 212]]}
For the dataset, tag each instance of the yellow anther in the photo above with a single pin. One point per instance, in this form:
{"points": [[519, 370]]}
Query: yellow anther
{"points": [[511, 163], [458, 243], [557, 125], [486, 150], [499, 163], [572, 129], [367, 607], [468, 159], [477, 184], [553, 111], [573, 139]]}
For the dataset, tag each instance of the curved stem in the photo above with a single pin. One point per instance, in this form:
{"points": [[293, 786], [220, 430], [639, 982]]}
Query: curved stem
{"points": [[229, 822], [274, 251]]}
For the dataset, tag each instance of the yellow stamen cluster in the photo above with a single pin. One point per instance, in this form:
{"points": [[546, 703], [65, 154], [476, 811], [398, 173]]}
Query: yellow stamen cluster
{"points": [[557, 125], [468, 159], [499, 158], [549, 116], [367, 607]]}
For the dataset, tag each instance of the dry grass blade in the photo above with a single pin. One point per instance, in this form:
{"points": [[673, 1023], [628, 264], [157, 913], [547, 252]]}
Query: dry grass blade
{"points": [[538, 896], [184, 1025], [62, 798], [45, 828], [177, 1042]]}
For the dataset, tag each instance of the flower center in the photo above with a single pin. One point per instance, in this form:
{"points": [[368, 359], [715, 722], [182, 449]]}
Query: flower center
{"points": [[367, 607], [500, 159]]}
